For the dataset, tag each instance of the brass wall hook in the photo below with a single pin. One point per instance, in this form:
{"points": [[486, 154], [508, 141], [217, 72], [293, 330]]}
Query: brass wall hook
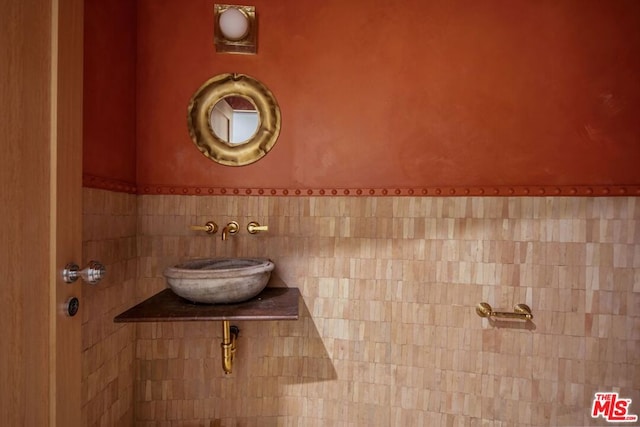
{"points": [[520, 311]]}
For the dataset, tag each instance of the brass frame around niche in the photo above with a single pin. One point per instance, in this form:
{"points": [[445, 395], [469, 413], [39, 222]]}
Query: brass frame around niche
{"points": [[199, 112]]}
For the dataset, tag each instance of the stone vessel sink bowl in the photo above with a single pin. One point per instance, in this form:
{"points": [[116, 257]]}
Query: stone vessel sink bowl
{"points": [[219, 280]]}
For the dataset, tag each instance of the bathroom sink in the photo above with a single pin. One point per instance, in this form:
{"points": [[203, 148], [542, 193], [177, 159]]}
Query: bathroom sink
{"points": [[219, 280]]}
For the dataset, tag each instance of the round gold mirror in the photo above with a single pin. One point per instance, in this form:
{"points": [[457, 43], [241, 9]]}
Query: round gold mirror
{"points": [[233, 119]]}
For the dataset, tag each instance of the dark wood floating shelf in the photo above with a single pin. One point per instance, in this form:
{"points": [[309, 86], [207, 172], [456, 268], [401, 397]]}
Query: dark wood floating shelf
{"points": [[165, 306]]}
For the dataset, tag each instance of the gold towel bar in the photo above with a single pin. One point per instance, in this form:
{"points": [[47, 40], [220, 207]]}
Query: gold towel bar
{"points": [[520, 311]]}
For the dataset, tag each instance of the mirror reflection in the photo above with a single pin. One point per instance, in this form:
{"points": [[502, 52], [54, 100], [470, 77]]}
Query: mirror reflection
{"points": [[234, 119]]}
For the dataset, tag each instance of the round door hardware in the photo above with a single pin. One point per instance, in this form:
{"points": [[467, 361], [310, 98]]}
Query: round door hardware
{"points": [[92, 273]]}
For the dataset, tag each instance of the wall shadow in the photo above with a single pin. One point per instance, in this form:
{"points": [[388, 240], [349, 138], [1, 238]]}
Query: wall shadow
{"points": [[513, 324], [311, 361]]}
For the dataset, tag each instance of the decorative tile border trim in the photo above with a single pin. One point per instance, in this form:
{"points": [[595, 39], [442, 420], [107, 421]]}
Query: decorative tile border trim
{"points": [[92, 181], [441, 191], [585, 191]]}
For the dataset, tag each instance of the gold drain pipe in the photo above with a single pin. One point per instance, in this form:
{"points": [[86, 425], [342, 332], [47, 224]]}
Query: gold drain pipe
{"points": [[228, 346]]}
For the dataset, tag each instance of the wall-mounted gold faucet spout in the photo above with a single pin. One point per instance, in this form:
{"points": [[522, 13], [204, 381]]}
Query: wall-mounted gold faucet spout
{"points": [[231, 228], [228, 345]]}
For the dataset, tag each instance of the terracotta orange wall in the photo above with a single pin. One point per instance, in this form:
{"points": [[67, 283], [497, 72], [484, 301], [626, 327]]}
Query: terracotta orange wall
{"points": [[109, 150], [373, 95], [433, 92]]}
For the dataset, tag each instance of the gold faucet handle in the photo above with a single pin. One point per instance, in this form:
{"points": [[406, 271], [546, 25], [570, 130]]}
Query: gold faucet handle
{"points": [[210, 227], [253, 227]]}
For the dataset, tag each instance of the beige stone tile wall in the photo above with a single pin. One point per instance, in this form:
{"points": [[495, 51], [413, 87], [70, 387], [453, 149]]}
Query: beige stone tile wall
{"points": [[388, 333], [108, 349]]}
